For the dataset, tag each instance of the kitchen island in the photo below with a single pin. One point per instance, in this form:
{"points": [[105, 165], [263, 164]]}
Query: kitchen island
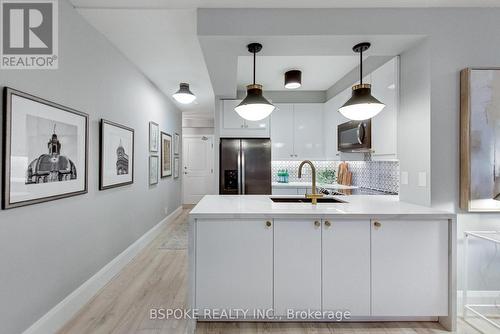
{"points": [[361, 258]]}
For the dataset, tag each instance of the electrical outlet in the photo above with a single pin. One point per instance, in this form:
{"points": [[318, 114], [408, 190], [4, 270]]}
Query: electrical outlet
{"points": [[422, 179], [404, 178]]}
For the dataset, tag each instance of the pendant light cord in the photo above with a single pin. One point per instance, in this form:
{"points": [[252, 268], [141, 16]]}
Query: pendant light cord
{"points": [[254, 67], [361, 66]]}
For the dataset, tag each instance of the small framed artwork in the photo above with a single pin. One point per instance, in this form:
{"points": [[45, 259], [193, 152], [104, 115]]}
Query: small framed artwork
{"points": [[116, 158], [166, 154], [153, 169], [177, 140], [153, 137], [480, 139], [45, 150], [176, 167]]}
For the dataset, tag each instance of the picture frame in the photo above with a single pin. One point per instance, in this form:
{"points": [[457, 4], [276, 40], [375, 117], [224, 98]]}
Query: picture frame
{"points": [[176, 167], [153, 169], [479, 136], [177, 140], [154, 130], [45, 150], [166, 154], [116, 155]]}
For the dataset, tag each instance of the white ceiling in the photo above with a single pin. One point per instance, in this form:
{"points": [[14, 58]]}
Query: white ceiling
{"points": [[318, 72], [163, 44], [222, 54], [284, 3]]}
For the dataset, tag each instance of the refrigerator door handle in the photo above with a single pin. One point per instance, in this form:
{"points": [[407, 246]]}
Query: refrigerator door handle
{"points": [[239, 172], [243, 172]]}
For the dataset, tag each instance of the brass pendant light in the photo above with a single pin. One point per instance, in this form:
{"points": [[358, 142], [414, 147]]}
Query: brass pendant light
{"points": [[254, 106], [362, 105]]}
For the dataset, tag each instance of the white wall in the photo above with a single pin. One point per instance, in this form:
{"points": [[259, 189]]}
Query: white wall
{"points": [[414, 128], [49, 249]]}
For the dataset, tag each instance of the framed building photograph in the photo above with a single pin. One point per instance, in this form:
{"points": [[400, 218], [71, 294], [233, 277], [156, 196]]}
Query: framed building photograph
{"points": [[153, 169], [166, 154], [177, 140], [45, 150], [154, 130], [116, 163], [176, 167], [480, 139]]}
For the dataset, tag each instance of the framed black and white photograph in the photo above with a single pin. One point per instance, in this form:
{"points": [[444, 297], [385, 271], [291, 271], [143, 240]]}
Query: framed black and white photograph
{"points": [[176, 167], [177, 140], [116, 155], [154, 129], [45, 150], [166, 154], [153, 169]]}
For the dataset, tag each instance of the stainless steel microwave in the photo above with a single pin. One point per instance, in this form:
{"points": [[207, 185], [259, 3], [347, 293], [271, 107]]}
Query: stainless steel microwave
{"points": [[354, 136]]}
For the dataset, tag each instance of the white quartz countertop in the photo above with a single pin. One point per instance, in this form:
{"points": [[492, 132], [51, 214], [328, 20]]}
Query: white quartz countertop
{"points": [[357, 206], [308, 185]]}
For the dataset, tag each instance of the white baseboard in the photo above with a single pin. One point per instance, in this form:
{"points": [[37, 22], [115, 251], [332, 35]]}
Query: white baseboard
{"points": [[69, 306]]}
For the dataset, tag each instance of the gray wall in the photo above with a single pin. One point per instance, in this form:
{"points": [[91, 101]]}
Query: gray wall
{"points": [[48, 250]]}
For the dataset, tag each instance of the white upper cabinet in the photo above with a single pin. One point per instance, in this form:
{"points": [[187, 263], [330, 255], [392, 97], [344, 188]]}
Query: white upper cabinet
{"points": [[385, 88], [308, 131], [297, 131], [282, 132], [232, 125]]}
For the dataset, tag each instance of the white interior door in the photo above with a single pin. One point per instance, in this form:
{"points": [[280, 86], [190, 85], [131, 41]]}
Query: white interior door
{"points": [[197, 167]]}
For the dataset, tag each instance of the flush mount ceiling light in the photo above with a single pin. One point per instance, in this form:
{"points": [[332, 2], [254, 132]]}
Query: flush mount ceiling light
{"points": [[293, 79], [362, 105], [254, 106], [184, 95]]}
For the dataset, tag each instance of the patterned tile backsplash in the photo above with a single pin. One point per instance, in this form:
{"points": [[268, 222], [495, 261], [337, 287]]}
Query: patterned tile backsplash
{"points": [[377, 175]]}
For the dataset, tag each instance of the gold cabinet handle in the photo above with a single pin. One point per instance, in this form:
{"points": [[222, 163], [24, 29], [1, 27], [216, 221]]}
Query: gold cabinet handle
{"points": [[327, 223], [377, 225], [317, 223], [269, 224]]}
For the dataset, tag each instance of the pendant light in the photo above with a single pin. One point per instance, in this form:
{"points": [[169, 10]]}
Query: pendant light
{"points": [[362, 105], [293, 79], [184, 95], [254, 106]]}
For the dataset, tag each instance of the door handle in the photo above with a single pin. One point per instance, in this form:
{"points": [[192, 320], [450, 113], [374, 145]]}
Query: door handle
{"points": [[327, 223], [317, 224], [269, 224], [377, 225]]}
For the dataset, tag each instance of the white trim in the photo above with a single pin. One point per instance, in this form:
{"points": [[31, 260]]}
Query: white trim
{"points": [[69, 306], [477, 297]]}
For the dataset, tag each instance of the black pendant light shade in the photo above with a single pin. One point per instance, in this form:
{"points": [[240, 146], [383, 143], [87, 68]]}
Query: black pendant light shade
{"points": [[254, 106], [362, 105], [293, 79]]}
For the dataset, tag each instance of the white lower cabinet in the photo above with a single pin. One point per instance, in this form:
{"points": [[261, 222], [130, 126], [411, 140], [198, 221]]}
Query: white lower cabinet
{"points": [[409, 268], [372, 268], [346, 266], [297, 265], [234, 264]]}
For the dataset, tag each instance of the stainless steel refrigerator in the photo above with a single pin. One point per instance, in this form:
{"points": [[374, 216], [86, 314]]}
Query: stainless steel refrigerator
{"points": [[245, 166]]}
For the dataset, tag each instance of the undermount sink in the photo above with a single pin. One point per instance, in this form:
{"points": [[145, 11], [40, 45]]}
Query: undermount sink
{"points": [[305, 200]]}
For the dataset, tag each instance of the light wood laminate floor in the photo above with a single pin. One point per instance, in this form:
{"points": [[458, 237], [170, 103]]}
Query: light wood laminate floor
{"points": [[157, 278]]}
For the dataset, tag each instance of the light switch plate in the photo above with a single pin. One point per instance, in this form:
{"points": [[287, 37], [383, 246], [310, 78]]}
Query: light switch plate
{"points": [[404, 177], [422, 179]]}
